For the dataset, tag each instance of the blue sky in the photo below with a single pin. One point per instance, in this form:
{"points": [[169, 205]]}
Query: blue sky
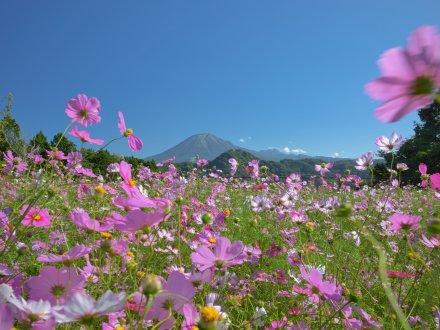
{"points": [[283, 73]]}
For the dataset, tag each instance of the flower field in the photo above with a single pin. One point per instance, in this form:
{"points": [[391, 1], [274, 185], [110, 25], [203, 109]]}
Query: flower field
{"points": [[133, 248]]}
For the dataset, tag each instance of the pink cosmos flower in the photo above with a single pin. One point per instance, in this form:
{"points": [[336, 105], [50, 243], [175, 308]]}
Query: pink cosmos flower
{"points": [[324, 167], [397, 274], [202, 162], [234, 165], [224, 255], [388, 145], [176, 292], [423, 169], [134, 142], [402, 167], [138, 219], [435, 181], [253, 168], [84, 136], [319, 288], [7, 317], [14, 162], [74, 253], [401, 221], [36, 217], [430, 243], [82, 219], [55, 284], [56, 155], [410, 78], [365, 161], [129, 184], [83, 110], [294, 180]]}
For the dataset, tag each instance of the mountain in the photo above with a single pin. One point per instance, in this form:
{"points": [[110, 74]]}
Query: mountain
{"points": [[206, 146], [209, 146]]}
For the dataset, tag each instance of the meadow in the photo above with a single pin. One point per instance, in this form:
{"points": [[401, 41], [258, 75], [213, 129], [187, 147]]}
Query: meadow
{"points": [[132, 248]]}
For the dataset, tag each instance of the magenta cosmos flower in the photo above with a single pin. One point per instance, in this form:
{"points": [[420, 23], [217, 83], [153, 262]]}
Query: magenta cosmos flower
{"points": [[401, 221], [389, 144], [423, 169], [74, 253], [176, 292], [202, 162], [83, 110], [435, 181], [55, 284], [411, 76], [35, 217], [317, 287], [323, 167], [14, 162], [84, 136], [224, 255], [134, 142], [82, 219]]}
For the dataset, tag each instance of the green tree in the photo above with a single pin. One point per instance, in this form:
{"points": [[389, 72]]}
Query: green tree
{"points": [[10, 130], [62, 143], [40, 143], [422, 147]]}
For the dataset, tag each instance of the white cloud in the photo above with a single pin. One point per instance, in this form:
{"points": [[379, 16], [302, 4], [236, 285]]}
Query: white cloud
{"points": [[336, 154], [245, 139], [297, 151]]}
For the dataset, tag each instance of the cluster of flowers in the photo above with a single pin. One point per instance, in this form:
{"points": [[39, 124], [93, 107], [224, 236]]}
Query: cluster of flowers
{"points": [[136, 249]]}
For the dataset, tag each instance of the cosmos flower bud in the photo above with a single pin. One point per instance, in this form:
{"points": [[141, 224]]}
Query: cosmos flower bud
{"points": [[207, 218], [434, 227], [179, 200], [347, 172], [151, 285], [344, 211]]}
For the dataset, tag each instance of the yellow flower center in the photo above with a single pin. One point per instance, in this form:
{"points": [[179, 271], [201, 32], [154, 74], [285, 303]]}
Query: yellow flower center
{"points": [[130, 254], [36, 217], [194, 327], [228, 212], [212, 240], [119, 327], [132, 183], [128, 132], [99, 189], [209, 314], [106, 235]]}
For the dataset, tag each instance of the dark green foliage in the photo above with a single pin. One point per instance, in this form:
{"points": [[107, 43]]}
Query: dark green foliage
{"points": [[40, 143], [62, 143], [138, 162], [422, 147], [98, 161], [283, 168], [9, 129]]}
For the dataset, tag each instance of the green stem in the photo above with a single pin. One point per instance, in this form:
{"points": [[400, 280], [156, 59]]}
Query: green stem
{"points": [[385, 281], [64, 133]]}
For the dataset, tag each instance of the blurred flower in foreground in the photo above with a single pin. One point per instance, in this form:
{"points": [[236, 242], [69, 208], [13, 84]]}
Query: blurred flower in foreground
{"points": [[411, 76]]}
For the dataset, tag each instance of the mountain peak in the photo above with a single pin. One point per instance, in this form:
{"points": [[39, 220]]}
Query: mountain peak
{"points": [[203, 145]]}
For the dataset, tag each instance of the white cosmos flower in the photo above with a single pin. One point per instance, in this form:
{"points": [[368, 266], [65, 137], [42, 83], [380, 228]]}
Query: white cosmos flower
{"points": [[83, 307]]}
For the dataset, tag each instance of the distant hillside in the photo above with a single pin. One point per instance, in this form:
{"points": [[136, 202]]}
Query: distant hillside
{"points": [[209, 146], [283, 168]]}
